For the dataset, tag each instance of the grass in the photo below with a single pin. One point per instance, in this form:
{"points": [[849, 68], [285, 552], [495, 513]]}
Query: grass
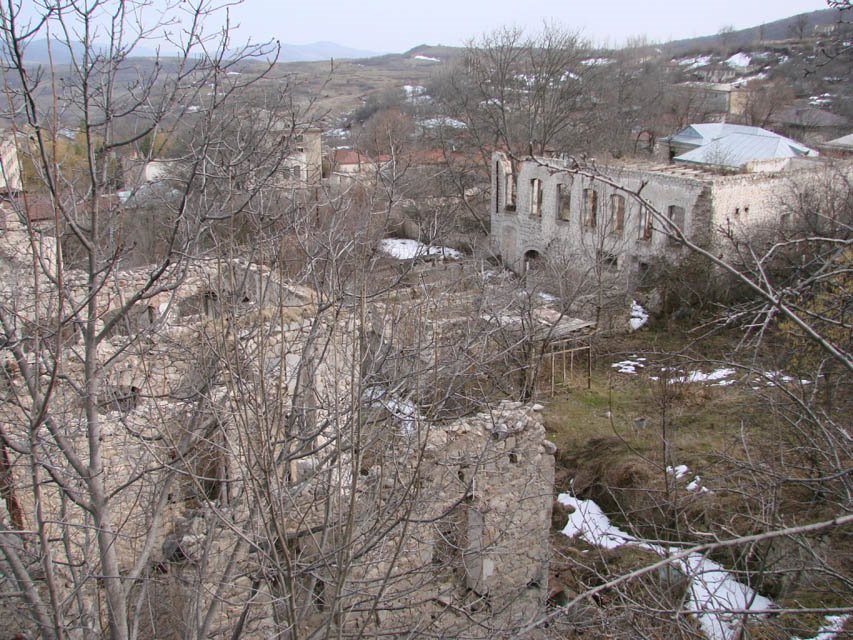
{"points": [[729, 437]]}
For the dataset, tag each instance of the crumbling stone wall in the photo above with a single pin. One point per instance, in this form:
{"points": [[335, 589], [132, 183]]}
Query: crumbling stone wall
{"points": [[224, 453], [466, 551], [710, 202]]}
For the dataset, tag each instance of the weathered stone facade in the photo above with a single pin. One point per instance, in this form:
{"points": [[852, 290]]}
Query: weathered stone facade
{"points": [[600, 216], [250, 478]]}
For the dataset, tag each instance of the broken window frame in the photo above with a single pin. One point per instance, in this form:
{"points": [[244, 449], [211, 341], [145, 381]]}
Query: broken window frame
{"points": [[535, 197], [645, 229], [498, 170], [617, 214], [676, 216], [509, 185], [564, 201], [590, 208]]}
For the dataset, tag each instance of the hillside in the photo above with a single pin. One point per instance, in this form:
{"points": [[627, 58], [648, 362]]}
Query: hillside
{"points": [[776, 30]]}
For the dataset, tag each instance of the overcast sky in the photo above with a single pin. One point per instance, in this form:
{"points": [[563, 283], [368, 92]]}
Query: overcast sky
{"points": [[398, 25]]}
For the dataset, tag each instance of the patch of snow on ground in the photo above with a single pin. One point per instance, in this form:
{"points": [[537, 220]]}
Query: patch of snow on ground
{"points": [[629, 366], [404, 411], [699, 376], [713, 591], [548, 298], [413, 90], [693, 63], [739, 60], [594, 62], [694, 484], [742, 82], [822, 100], [404, 249], [775, 377], [834, 625], [590, 523], [427, 58], [453, 123], [639, 316], [679, 471]]}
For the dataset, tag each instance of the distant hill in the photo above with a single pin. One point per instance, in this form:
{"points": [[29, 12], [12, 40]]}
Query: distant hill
{"points": [[777, 30], [321, 51], [38, 52]]}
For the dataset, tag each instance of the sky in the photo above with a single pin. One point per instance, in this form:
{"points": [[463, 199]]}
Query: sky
{"points": [[398, 25]]}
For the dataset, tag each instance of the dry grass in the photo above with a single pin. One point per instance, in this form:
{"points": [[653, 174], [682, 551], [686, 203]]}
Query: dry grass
{"points": [[729, 436]]}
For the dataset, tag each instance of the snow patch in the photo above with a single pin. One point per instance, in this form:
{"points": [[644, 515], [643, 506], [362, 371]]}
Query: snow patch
{"points": [[639, 316], [679, 471], [742, 82], [695, 485], [834, 625], [426, 58], [739, 61], [413, 90], [713, 591], [699, 376], [589, 523], [822, 100], [405, 412], [453, 123], [629, 366], [693, 63], [404, 249], [594, 62]]}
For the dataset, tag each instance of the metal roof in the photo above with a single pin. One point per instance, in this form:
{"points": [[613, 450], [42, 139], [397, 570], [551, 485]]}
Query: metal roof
{"points": [[734, 145], [844, 142]]}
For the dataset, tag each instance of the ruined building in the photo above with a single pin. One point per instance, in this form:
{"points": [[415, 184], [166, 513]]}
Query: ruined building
{"points": [[599, 217], [260, 481]]}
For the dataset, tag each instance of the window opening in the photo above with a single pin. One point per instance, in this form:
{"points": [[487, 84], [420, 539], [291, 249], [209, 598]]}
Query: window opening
{"points": [[564, 201], [590, 207], [535, 197], [676, 217], [617, 214], [645, 224]]}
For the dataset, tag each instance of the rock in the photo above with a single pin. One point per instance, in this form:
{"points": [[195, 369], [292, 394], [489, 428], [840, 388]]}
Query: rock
{"points": [[559, 515]]}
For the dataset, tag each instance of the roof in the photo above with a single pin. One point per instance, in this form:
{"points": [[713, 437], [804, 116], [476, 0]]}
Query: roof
{"points": [[351, 156], [844, 142], [734, 145], [809, 117]]}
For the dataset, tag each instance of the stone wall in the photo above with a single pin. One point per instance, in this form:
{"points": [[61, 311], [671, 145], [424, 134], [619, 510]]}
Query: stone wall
{"points": [[710, 202], [249, 479], [515, 233]]}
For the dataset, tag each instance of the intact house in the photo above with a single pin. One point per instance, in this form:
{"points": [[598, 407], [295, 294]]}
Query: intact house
{"points": [[597, 219]]}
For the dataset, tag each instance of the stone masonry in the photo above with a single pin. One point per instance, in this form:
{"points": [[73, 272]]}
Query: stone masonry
{"points": [[599, 215]]}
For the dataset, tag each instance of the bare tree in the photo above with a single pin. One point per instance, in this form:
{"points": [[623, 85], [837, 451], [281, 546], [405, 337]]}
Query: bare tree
{"points": [[518, 92], [800, 25]]}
